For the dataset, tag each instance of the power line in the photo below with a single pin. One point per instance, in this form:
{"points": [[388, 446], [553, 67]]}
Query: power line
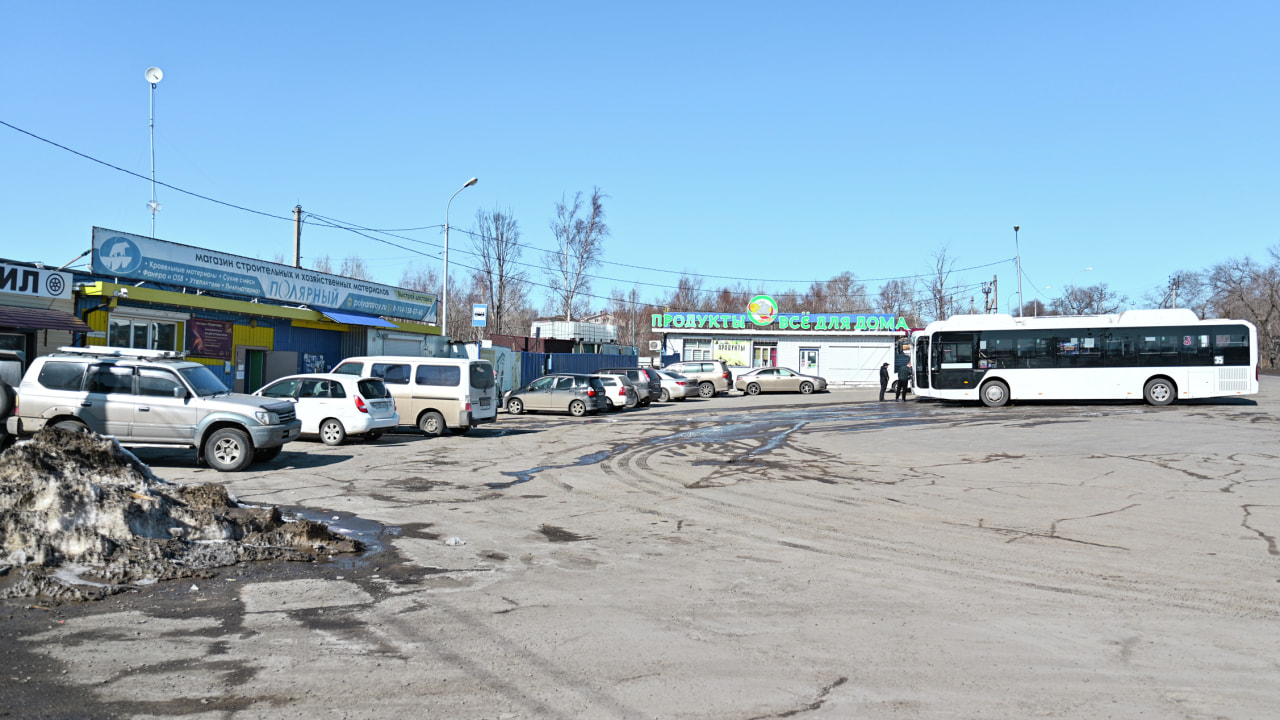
{"points": [[143, 177], [363, 232]]}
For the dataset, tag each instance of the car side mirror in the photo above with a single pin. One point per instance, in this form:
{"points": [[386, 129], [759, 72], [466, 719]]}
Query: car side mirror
{"points": [[179, 392]]}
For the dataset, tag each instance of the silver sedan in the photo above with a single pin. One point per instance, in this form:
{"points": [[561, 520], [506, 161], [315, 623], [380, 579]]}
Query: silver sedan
{"points": [[676, 386], [778, 379]]}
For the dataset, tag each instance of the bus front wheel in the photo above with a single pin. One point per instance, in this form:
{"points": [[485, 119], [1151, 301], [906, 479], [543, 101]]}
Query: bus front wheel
{"points": [[1158, 392], [995, 394]]}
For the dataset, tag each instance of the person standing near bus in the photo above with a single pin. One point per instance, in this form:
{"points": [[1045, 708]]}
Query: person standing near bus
{"points": [[904, 377], [884, 380]]}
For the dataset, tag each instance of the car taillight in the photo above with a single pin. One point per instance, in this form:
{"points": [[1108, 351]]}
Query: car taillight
{"points": [[468, 408], [726, 376], [591, 392], [622, 391], [680, 382], [360, 405]]}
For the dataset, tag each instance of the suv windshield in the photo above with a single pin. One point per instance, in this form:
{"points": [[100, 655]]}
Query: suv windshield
{"points": [[204, 382]]}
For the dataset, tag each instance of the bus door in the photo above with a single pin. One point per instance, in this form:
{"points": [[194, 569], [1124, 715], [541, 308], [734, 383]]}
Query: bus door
{"points": [[952, 362], [922, 361]]}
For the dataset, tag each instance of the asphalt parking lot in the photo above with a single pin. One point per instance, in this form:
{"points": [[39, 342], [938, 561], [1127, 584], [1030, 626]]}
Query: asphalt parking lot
{"points": [[826, 556]]}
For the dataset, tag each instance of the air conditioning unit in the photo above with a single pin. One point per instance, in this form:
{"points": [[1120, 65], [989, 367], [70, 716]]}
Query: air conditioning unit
{"points": [[655, 345]]}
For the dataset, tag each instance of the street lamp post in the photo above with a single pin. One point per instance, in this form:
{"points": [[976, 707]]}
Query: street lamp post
{"points": [[444, 305], [1021, 303], [153, 76]]}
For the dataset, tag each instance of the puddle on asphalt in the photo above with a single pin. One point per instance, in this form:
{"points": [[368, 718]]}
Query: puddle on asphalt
{"points": [[369, 532], [524, 476]]}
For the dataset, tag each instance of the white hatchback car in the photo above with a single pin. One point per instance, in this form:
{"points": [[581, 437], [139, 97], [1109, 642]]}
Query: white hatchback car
{"points": [[335, 406]]}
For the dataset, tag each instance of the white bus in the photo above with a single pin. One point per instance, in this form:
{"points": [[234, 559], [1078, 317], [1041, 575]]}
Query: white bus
{"points": [[1156, 355]]}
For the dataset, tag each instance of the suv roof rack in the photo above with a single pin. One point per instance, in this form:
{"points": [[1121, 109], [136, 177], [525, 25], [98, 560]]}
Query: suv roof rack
{"points": [[106, 351]]}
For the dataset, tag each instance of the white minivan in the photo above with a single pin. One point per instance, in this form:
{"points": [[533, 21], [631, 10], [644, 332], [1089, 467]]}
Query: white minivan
{"points": [[435, 394]]}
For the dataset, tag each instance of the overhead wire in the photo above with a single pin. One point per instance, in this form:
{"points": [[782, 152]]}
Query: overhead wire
{"points": [[324, 221]]}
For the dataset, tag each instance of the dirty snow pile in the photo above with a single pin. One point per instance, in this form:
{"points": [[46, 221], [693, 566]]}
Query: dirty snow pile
{"points": [[82, 518]]}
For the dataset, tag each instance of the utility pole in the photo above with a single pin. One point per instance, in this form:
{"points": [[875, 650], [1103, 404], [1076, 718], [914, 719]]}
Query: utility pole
{"points": [[297, 236]]}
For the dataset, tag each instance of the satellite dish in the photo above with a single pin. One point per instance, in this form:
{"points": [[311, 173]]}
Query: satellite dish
{"points": [[154, 75]]}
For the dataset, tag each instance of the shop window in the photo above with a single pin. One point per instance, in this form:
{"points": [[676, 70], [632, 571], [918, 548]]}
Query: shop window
{"points": [[142, 334], [764, 356], [697, 350]]}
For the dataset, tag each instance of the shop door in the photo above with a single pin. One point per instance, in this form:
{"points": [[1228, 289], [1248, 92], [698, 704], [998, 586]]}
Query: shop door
{"points": [[808, 361], [250, 368]]}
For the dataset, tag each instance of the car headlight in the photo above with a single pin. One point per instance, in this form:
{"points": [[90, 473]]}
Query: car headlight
{"points": [[266, 417]]}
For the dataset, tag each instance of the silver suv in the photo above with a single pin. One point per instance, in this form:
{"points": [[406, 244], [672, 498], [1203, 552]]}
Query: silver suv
{"points": [[712, 376], [151, 397]]}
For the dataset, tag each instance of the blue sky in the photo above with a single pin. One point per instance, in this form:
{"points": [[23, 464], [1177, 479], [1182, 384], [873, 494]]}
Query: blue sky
{"points": [[780, 142]]}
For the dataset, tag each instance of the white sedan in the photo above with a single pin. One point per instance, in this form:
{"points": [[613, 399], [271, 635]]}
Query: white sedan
{"points": [[335, 406]]}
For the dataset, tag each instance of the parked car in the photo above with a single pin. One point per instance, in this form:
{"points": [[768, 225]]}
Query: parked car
{"points": [[712, 375], [10, 378], [336, 406], [573, 393], [620, 392], [648, 384], [433, 394], [779, 379], [151, 397], [676, 386]]}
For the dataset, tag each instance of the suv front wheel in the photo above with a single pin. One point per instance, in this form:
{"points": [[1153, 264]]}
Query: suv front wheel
{"points": [[228, 450]]}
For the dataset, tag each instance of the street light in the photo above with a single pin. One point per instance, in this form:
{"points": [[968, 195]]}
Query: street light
{"points": [[153, 76], [444, 306], [1021, 304]]}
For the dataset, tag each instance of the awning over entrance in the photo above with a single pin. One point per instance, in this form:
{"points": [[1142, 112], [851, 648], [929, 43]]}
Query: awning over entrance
{"points": [[351, 318], [37, 319]]}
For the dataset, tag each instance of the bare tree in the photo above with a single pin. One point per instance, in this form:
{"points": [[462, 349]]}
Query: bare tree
{"points": [[846, 294], [940, 295], [1035, 308], [688, 294], [1249, 290], [322, 264], [580, 238], [1092, 300], [1185, 289], [898, 297], [355, 268], [500, 277], [731, 299], [631, 317]]}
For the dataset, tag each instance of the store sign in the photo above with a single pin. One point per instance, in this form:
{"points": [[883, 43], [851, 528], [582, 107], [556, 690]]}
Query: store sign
{"points": [[35, 282], [135, 257], [821, 322], [736, 353], [209, 338]]}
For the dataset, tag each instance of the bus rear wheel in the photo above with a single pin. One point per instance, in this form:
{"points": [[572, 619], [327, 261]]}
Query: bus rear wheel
{"points": [[1158, 392], [995, 394]]}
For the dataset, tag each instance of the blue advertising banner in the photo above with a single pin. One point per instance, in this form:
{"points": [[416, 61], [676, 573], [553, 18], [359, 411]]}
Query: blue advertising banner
{"points": [[135, 257]]}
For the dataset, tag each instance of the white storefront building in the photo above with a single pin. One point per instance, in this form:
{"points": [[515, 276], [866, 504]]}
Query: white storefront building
{"points": [[846, 349]]}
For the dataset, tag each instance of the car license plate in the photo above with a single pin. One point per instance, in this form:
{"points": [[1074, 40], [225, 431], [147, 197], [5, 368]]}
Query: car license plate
{"points": [[484, 402]]}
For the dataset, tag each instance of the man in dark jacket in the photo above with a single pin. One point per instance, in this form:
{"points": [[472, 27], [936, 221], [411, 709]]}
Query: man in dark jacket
{"points": [[884, 380], [904, 377]]}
